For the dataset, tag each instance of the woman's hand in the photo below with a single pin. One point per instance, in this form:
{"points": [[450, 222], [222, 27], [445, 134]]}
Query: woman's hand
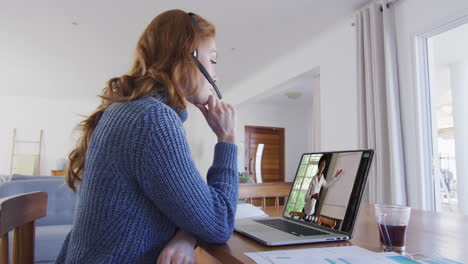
{"points": [[221, 117], [180, 250]]}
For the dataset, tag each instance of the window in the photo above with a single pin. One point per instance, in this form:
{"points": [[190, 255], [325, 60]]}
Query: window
{"points": [[307, 169]]}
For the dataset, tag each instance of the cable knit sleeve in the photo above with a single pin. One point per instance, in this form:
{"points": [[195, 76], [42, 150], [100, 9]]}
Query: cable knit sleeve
{"points": [[169, 178]]}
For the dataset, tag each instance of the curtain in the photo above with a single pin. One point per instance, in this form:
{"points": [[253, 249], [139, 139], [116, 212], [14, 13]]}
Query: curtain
{"points": [[379, 119]]}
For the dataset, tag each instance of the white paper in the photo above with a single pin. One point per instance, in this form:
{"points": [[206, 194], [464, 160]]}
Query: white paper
{"points": [[439, 261], [248, 211], [331, 255]]}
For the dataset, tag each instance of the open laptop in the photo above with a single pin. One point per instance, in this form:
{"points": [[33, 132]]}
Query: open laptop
{"points": [[318, 209]]}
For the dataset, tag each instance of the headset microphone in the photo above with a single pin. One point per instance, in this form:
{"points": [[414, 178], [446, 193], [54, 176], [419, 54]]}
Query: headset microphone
{"points": [[206, 74], [200, 66]]}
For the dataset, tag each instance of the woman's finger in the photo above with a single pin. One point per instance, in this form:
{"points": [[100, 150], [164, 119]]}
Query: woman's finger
{"points": [[162, 259], [225, 107], [211, 102], [174, 260], [218, 103], [177, 259]]}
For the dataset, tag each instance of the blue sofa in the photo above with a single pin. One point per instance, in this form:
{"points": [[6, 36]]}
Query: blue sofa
{"points": [[52, 229]]}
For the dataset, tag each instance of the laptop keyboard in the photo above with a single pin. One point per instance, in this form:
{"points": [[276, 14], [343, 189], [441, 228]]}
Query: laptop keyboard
{"points": [[291, 228]]}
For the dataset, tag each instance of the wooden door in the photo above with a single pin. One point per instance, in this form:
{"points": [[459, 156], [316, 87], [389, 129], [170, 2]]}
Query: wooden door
{"points": [[272, 163]]}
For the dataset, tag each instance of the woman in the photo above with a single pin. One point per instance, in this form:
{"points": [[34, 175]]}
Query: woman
{"points": [[318, 181], [141, 198]]}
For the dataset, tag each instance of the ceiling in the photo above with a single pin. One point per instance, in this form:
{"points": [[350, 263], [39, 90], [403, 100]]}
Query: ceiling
{"points": [[304, 85], [71, 48]]}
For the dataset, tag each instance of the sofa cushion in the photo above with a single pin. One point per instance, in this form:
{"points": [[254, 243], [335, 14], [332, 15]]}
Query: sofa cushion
{"points": [[60, 202], [49, 241]]}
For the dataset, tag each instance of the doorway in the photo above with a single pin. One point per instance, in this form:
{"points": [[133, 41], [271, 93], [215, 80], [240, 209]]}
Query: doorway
{"points": [[264, 153], [445, 84]]}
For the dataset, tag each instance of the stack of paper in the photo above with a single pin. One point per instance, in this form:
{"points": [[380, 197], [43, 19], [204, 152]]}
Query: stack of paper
{"points": [[336, 255], [247, 211]]}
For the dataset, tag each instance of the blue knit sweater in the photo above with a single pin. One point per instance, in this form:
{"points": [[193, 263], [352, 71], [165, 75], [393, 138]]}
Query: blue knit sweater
{"points": [[140, 185]]}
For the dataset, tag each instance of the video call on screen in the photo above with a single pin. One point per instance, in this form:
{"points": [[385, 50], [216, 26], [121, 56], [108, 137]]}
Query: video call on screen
{"points": [[328, 193]]}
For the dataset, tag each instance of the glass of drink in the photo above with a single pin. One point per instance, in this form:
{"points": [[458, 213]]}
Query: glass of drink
{"points": [[392, 221]]}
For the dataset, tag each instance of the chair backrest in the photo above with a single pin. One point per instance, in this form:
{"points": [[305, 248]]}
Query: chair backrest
{"points": [[264, 190], [19, 213], [326, 221], [300, 215], [61, 200]]}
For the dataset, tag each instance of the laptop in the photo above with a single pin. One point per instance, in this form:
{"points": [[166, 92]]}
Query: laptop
{"points": [[323, 203]]}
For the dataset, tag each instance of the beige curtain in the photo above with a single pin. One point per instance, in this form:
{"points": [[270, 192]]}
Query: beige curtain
{"points": [[379, 108]]}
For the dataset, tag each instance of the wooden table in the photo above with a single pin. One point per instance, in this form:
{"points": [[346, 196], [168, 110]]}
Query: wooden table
{"points": [[429, 235]]}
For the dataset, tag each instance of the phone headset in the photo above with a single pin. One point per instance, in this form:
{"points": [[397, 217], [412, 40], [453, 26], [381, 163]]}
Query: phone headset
{"points": [[200, 66]]}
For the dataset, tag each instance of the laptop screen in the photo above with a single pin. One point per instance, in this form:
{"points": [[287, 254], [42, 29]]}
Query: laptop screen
{"points": [[328, 188]]}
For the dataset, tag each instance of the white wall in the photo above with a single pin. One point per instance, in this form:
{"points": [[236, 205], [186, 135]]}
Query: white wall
{"points": [[43, 54], [334, 52], [294, 119], [57, 117], [413, 18]]}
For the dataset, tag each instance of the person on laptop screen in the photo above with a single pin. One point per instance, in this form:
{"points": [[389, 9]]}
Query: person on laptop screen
{"points": [[318, 181], [314, 214]]}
